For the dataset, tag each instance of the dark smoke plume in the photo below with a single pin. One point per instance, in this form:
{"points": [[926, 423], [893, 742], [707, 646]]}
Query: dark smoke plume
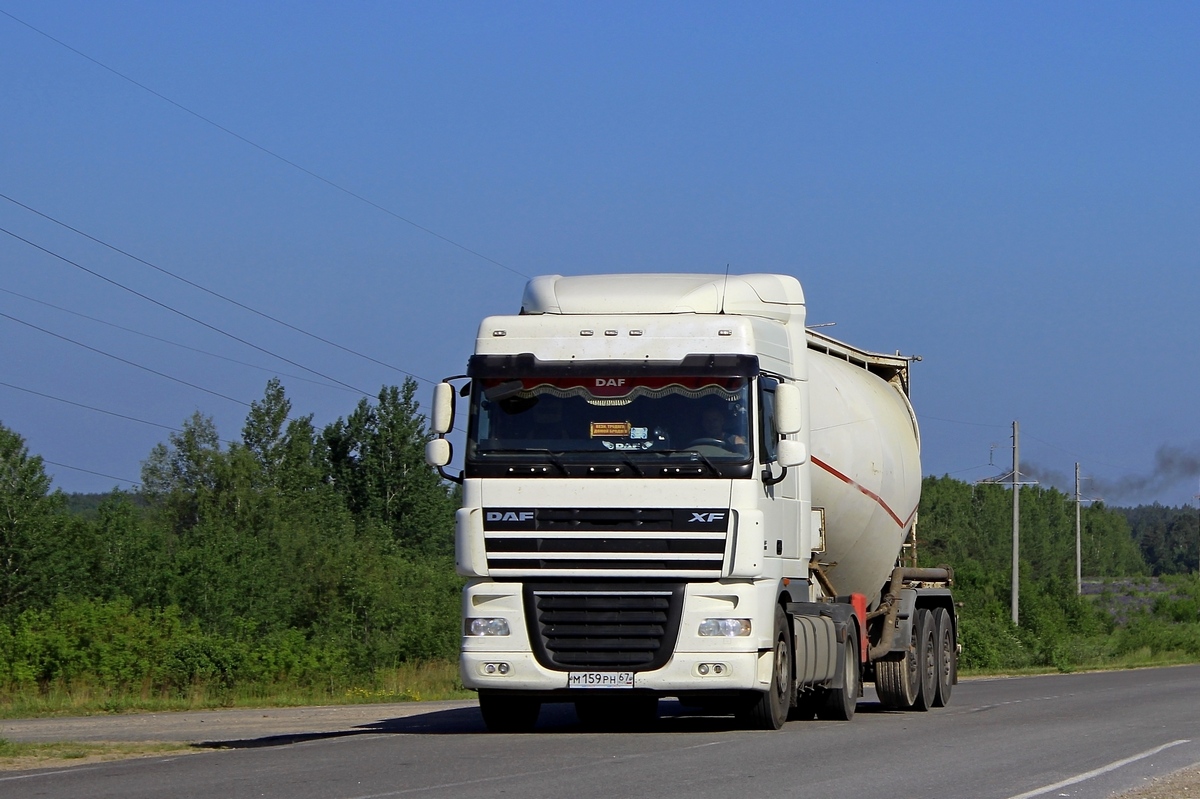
{"points": [[1172, 464]]}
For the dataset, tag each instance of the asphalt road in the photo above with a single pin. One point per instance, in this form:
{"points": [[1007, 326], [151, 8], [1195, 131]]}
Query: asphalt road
{"points": [[1085, 736]]}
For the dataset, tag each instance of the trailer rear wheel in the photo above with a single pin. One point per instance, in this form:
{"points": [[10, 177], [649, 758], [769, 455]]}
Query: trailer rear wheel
{"points": [[947, 653], [768, 710], [840, 703], [507, 713], [927, 660]]}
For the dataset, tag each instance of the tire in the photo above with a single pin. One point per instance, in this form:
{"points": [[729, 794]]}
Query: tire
{"points": [[896, 678], [947, 656], [613, 713], [768, 710], [507, 713], [927, 661], [840, 703]]}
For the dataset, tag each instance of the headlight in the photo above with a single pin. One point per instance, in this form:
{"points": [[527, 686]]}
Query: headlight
{"points": [[725, 628], [487, 626]]}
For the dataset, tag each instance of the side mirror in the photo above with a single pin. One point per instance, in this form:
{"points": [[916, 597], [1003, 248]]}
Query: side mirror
{"points": [[791, 453], [789, 417], [442, 418], [437, 451]]}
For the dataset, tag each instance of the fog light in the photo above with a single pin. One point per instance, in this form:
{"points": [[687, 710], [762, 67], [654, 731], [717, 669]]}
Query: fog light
{"points": [[487, 626], [712, 669], [495, 668], [725, 628]]}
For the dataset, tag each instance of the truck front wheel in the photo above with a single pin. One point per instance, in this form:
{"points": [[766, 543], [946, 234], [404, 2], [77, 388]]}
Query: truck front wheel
{"points": [[769, 710], [503, 712]]}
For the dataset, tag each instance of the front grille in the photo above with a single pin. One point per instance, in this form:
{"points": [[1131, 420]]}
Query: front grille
{"points": [[604, 627], [601, 542], [575, 519]]}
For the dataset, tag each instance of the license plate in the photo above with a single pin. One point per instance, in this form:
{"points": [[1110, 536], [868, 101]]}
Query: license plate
{"points": [[600, 679]]}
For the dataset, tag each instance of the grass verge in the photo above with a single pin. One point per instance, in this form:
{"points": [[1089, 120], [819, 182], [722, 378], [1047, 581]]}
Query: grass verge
{"points": [[406, 683], [15, 756]]}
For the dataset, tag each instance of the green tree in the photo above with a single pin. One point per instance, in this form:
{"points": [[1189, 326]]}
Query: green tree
{"points": [[1169, 538], [376, 459], [34, 564], [182, 474], [130, 557]]}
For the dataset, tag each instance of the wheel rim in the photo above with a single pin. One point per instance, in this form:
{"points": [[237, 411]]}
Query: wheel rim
{"points": [[781, 670], [932, 652], [851, 678]]}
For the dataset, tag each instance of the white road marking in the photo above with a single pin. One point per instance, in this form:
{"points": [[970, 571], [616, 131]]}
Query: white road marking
{"points": [[1102, 770], [75, 770]]}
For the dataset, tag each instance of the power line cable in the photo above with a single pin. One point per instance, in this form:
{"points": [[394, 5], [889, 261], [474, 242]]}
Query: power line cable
{"points": [[163, 305], [100, 410], [174, 343], [89, 407], [970, 468], [125, 361], [264, 150], [922, 416], [130, 363], [209, 291], [89, 471]]}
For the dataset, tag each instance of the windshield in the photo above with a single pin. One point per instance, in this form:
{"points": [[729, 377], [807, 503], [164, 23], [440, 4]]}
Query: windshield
{"points": [[700, 418]]}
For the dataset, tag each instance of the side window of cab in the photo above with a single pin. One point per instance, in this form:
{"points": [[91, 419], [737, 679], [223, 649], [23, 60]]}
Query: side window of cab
{"points": [[766, 403]]}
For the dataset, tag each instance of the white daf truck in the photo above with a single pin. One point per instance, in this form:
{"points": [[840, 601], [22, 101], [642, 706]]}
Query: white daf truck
{"points": [[672, 488]]}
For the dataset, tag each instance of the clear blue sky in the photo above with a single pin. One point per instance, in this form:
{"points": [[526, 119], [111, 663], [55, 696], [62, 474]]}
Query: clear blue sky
{"points": [[1010, 190]]}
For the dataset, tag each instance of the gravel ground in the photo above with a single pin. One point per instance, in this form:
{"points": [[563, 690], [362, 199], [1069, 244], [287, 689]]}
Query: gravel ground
{"points": [[214, 726], [1183, 784]]}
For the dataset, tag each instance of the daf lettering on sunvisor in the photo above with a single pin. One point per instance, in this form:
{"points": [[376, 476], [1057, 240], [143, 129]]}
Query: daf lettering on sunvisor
{"points": [[707, 518], [509, 516]]}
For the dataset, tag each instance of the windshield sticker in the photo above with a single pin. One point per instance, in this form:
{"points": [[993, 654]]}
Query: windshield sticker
{"points": [[611, 429], [639, 433], [621, 445]]}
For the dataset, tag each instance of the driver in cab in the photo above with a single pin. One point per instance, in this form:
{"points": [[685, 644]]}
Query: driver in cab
{"points": [[715, 427]]}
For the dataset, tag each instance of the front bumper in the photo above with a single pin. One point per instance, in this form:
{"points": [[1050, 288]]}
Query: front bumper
{"points": [[697, 664]]}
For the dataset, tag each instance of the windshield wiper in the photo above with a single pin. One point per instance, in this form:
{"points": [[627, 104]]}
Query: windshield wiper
{"points": [[691, 452], [550, 456], [632, 465]]}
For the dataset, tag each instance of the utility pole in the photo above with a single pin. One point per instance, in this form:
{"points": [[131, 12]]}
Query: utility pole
{"points": [[1016, 535], [1079, 550]]}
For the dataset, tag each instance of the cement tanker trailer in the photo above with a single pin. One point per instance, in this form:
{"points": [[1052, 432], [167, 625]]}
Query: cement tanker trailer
{"points": [[672, 488]]}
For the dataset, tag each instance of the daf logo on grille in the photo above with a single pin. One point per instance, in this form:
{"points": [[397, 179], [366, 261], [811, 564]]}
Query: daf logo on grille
{"points": [[706, 518], [509, 516]]}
